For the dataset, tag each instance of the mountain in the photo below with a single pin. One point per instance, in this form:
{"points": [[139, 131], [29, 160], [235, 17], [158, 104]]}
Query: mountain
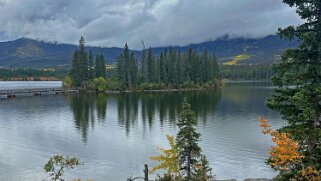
{"points": [[35, 54]]}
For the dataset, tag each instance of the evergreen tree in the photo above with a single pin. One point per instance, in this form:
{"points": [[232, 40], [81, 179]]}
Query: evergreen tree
{"points": [[187, 141], [120, 68], [171, 65], [75, 70], [91, 66], [126, 56], [143, 67], [133, 69], [162, 68], [170, 68], [203, 171], [83, 61], [150, 66], [300, 105], [100, 67]]}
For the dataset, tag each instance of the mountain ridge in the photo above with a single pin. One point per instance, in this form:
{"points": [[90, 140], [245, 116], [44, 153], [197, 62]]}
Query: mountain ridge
{"points": [[25, 52]]}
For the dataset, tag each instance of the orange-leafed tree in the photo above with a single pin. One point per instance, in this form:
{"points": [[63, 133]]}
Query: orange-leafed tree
{"points": [[286, 158]]}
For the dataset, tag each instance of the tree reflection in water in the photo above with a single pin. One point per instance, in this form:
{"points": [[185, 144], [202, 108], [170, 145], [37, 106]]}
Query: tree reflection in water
{"points": [[139, 107]]}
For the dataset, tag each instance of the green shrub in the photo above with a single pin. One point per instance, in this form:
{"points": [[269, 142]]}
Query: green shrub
{"points": [[100, 84]]}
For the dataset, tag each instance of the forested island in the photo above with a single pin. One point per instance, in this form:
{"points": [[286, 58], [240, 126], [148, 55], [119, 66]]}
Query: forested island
{"points": [[170, 70]]}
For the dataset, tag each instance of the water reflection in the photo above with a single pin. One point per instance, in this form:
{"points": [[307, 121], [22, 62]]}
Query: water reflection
{"points": [[115, 133], [87, 108], [83, 107]]}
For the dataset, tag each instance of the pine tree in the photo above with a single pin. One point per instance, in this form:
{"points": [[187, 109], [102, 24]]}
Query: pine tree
{"points": [[133, 69], [75, 69], [120, 69], [187, 141], [150, 66], [100, 68], [143, 67], [300, 105], [171, 65], [126, 56], [203, 171], [82, 60], [91, 66], [162, 68]]}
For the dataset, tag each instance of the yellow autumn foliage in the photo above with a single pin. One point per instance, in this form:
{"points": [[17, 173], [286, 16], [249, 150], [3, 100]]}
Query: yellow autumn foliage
{"points": [[237, 59], [168, 159]]}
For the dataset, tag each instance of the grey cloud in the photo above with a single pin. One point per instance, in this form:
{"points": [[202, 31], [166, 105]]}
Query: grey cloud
{"points": [[158, 22]]}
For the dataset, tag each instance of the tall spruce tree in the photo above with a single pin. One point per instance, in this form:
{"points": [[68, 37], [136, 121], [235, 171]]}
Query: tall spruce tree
{"points": [[133, 69], [187, 141], [100, 68], [120, 69], [91, 66], [300, 105], [150, 66], [143, 67], [82, 60], [75, 69], [127, 68]]}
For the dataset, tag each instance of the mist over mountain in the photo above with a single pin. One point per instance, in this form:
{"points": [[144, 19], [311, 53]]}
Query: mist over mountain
{"points": [[39, 54]]}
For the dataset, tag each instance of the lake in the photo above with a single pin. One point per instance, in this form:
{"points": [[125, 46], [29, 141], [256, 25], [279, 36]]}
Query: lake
{"points": [[115, 134]]}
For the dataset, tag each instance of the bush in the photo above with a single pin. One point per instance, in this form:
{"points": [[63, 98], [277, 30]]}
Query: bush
{"points": [[100, 84], [67, 83], [58, 164], [114, 85]]}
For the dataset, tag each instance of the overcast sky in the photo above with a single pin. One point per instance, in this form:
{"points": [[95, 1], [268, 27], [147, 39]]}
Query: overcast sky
{"points": [[157, 22]]}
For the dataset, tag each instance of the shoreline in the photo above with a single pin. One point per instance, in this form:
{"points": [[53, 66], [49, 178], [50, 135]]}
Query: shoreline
{"points": [[154, 90]]}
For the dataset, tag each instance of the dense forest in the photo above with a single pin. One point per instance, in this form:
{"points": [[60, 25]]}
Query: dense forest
{"points": [[171, 69], [32, 74], [247, 72]]}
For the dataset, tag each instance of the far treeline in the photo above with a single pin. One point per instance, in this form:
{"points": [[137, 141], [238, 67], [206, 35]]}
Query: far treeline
{"points": [[231, 72], [169, 70], [25, 74], [247, 72]]}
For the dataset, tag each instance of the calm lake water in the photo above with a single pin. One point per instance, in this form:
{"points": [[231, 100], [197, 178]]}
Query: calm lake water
{"points": [[115, 134]]}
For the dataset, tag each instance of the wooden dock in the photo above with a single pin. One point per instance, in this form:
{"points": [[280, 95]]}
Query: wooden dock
{"points": [[35, 92]]}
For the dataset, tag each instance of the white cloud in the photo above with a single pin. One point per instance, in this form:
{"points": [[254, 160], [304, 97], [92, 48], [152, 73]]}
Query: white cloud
{"points": [[158, 22]]}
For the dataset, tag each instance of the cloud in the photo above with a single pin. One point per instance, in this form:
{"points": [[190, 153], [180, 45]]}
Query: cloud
{"points": [[158, 22]]}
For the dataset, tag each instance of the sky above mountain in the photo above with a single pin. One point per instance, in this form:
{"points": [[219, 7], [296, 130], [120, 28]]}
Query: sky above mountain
{"points": [[158, 22]]}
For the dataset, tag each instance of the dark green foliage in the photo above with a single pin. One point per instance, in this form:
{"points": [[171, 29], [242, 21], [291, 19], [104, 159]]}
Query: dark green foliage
{"points": [[170, 69], [167, 177], [82, 61], [75, 70], [187, 140], [58, 164], [26, 74], [204, 171], [91, 66], [100, 67], [247, 72], [79, 70], [150, 67], [84, 69], [298, 77]]}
